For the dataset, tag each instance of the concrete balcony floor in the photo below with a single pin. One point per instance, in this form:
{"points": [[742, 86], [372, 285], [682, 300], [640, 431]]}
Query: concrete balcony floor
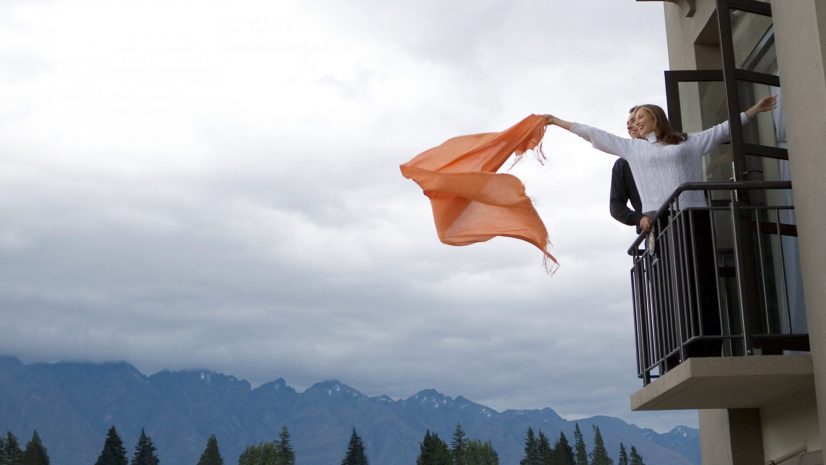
{"points": [[727, 383]]}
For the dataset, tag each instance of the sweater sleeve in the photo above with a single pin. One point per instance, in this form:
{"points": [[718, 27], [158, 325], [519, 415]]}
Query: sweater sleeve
{"points": [[603, 140], [715, 135]]}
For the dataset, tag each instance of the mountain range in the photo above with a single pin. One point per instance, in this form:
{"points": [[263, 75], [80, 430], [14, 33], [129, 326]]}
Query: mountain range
{"points": [[72, 405]]}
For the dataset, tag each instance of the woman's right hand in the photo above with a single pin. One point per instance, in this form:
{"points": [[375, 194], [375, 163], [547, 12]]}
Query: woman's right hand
{"points": [[553, 120]]}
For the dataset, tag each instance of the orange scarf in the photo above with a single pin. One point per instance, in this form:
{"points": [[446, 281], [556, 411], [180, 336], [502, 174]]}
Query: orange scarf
{"points": [[472, 202]]}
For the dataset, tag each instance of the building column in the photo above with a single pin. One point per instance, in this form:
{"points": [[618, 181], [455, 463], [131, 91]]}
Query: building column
{"points": [[800, 29], [731, 437]]}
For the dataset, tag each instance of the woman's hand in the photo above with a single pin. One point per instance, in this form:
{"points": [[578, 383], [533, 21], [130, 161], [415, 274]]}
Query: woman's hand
{"points": [[764, 104], [553, 120]]}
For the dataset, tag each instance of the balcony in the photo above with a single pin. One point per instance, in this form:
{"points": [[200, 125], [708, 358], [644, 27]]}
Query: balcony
{"points": [[718, 282]]}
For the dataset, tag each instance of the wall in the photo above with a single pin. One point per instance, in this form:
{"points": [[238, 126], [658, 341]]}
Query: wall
{"points": [[800, 27]]}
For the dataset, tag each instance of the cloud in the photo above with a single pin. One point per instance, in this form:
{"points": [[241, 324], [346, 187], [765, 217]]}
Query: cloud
{"points": [[216, 186]]}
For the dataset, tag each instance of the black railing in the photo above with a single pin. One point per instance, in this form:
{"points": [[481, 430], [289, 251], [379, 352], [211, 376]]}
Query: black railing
{"points": [[723, 280]]}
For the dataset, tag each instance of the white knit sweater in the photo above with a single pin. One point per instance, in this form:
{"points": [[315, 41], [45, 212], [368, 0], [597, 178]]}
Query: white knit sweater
{"points": [[658, 168]]}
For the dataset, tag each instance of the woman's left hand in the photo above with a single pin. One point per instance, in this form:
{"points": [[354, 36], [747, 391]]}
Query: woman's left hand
{"points": [[764, 104], [767, 103]]}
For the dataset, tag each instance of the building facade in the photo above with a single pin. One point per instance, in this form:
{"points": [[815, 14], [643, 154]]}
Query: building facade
{"points": [[760, 384]]}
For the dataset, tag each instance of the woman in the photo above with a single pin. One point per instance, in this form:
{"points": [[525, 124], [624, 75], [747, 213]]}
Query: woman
{"points": [[661, 160]]}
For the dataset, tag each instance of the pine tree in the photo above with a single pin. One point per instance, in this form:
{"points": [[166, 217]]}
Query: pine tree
{"points": [[145, 451], [635, 459], [35, 453], [286, 454], [433, 451], [265, 453], [580, 454], [544, 451], [355, 451], [479, 453], [458, 445], [563, 453], [211, 455], [623, 456], [531, 450], [113, 452], [12, 452], [599, 456]]}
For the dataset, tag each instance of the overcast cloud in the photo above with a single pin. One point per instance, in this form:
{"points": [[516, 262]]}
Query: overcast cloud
{"points": [[213, 184]]}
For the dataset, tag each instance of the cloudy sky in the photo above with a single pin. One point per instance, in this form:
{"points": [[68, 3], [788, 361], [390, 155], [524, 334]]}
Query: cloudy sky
{"points": [[213, 184]]}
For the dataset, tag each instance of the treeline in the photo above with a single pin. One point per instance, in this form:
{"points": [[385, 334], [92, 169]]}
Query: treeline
{"points": [[432, 451], [12, 454], [538, 451], [113, 452], [279, 452], [462, 451]]}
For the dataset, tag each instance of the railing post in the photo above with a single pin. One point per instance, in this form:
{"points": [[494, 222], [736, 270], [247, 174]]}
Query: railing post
{"points": [[640, 319], [742, 272]]}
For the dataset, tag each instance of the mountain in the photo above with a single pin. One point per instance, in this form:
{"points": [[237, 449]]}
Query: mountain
{"points": [[72, 405]]}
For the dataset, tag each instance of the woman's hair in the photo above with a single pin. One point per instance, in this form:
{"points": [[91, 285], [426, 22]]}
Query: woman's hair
{"points": [[662, 128]]}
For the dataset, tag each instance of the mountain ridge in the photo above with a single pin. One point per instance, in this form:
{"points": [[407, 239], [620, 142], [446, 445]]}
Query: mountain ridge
{"points": [[72, 404]]}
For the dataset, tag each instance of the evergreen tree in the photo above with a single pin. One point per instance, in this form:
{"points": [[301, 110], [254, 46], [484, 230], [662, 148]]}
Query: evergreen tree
{"points": [[265, 453], [145, 451], [35, 453], [563, 452], [12, 452], [285, 454], [458, 445], [433, 451], [544, 451], [635, 459], [479, 453], [211, 455], [113, 452], [580, 454], [531, 450], [623, 456], [599, 456], [355, 451], [3, 460]]}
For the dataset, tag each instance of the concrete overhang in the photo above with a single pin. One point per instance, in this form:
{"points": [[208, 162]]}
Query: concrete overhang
{"points": [[727, 383]]}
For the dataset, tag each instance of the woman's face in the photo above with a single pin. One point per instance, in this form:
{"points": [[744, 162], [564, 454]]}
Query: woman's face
{"points": [[644, 122]]}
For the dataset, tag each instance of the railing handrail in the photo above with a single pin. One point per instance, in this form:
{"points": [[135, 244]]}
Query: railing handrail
{"points": [[709, 186]]}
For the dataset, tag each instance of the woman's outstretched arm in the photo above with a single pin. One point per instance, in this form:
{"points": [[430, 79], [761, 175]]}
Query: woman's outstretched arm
{"points": [[599, 139], [721, 133]]}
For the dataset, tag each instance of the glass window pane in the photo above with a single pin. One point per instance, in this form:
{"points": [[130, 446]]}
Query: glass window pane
{"points": [[753, 39], [766, 169], [702, 104]]}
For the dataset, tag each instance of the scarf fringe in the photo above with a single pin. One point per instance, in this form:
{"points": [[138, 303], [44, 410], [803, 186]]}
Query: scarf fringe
{"points": [[549, 262]]}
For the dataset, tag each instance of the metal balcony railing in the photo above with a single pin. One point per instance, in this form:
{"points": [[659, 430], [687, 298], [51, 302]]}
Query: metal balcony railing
{"points": [[718, 281]]}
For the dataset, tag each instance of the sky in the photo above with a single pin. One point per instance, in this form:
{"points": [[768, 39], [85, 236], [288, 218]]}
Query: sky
{"points": [[215, 185]]}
